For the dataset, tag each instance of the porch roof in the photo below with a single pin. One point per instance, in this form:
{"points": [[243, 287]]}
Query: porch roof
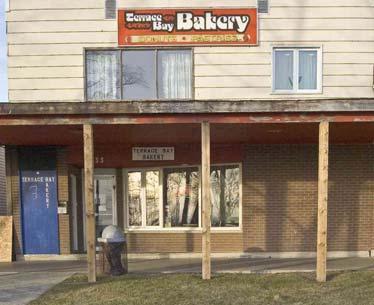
{"points": [[189, 107], [146, 122]]}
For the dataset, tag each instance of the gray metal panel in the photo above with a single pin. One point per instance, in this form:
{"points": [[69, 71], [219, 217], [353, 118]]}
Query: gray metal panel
{"points": [[263, 6], [110, 9]]}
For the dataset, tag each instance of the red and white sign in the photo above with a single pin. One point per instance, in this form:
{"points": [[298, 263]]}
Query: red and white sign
{"points": [[187, 27]]}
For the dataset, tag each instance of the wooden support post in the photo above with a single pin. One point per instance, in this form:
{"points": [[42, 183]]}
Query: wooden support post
{"points": [[323, 161], [206, 205], [89, 201]]}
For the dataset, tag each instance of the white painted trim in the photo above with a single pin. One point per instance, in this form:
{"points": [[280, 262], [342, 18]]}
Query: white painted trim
{"points": [[142, 198], [7, 6]]}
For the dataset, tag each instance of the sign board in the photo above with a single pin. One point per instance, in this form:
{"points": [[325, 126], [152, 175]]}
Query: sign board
{"points": [[6, 232], [152, 153], [160, 27]]}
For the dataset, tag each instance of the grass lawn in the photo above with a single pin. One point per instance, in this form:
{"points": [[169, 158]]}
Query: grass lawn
{"points": [[354, 288]]}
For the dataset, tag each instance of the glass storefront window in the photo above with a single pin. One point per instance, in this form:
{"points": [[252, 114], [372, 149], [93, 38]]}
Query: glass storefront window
{"points": [[181, 202], [152, 192], [170, 197], [134, 199], [225, 196]]}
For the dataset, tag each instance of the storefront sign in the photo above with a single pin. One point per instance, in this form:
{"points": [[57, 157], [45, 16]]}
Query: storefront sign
{"points": [[187, 27], [152, 153]]}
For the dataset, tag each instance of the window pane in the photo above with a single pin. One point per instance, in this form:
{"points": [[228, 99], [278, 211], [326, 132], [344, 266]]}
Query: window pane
{"points": [[103, 75], [308, 70], [283, 78], [225, 196], [134, 199], [174, 74], [139, 74], [152, 198], [181, 205], [103, 197]]}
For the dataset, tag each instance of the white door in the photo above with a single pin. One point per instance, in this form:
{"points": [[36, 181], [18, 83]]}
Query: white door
{"points": [[105, 202]]}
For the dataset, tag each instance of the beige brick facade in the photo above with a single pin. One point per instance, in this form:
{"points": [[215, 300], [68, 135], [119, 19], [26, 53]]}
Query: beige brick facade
{"points": [[280, 204], [279, 211]]}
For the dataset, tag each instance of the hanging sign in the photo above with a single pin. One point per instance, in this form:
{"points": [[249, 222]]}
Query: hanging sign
{"points": [[158, 27], [152, 153]]}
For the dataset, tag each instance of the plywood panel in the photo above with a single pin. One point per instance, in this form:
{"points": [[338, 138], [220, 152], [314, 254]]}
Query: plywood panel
{"points": [[314, 3], [334, 10], [45, 61], [182, 3], [237, 59], [73, 37], [239, 70], [315, 24], [233, 81], [347, 69], [46, 83], [55, 49], [316, 35], [39, 15], [6, 237], [354, 58], [53, 4], [46, 95], [266, 47], [62, 26], [265, 93], [345, 80], [42, 72]]}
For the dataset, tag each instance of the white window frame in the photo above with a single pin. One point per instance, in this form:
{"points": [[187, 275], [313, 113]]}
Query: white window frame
{"points": [[295, 75], [142, 197], [160, 227]]}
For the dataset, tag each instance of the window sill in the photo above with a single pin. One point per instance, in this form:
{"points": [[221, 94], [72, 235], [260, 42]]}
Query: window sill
{"points": [[318, 92], [182, 230]]}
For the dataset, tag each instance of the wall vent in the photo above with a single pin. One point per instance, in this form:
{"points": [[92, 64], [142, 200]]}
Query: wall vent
{"points": [[263, 6], [110, 9]]}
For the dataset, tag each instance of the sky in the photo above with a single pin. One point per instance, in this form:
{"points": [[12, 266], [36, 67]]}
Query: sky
{"points": [[3, 65]]}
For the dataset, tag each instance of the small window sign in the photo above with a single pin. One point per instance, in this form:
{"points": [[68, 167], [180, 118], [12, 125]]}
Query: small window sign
{"points": [[152, 153], [62, 207]]}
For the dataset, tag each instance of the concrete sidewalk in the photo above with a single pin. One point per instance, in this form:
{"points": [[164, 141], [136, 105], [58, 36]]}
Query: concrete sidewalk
{"points": [[21, 282]]}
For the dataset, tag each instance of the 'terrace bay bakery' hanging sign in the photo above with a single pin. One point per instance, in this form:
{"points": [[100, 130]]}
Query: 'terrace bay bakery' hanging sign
{"points": [[187, 27]]}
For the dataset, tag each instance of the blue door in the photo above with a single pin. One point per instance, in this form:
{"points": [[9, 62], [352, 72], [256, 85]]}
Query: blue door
{"points": [[39, 211]]}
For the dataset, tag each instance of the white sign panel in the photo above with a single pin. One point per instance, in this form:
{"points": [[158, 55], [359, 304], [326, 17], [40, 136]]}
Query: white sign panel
{"points": [[152, 153]]}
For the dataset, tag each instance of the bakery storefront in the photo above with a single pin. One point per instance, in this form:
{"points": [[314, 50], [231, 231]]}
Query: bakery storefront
{"points": [[181, 175]]}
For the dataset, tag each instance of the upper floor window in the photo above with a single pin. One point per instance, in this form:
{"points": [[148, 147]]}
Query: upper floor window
{"points": [[138, 74], [297, 70]]}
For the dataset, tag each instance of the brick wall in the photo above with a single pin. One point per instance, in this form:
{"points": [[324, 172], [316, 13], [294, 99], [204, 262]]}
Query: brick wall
{"points": [[3, 201], [280, 204], [63, 195], [12, 171]]}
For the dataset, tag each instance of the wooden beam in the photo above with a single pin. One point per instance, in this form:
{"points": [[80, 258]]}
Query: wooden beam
{"points": [[89, 201], [216, 118], [189, 106], [323, 161], [206, 205]]}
